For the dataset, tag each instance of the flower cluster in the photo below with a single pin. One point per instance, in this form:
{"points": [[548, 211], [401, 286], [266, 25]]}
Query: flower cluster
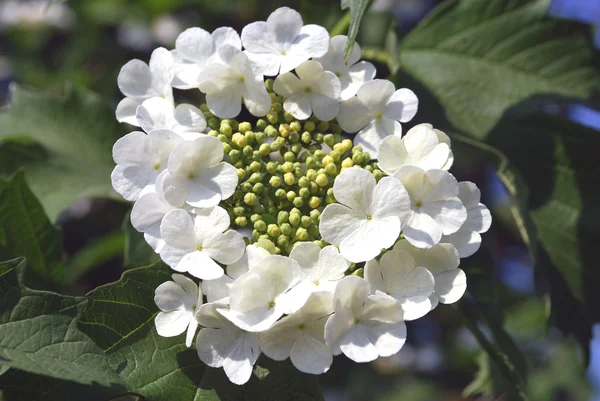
{"points": [[316, 229]]}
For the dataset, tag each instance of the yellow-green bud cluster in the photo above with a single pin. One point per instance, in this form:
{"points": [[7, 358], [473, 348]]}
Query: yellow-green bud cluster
{"points": [[286, 170]]}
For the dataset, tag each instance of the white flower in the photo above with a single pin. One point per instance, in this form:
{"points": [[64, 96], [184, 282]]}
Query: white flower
{"points": [[195, 49], [140, 159], [322, 268], [422, 147], [301, 336], [159, 113], [262, 295], [221, 344], [194, 244], [369, 217], [177, 301], [148, 212], [397, 275], [312, 91], [229, 81], [218, 289], [351, 74], [364, 327], [197, 175], [375, 111], [140, 81], [436, 209], [442, 261], [282, 42], [467, 239]]}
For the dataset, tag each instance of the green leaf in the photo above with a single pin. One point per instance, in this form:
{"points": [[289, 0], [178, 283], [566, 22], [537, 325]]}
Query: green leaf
{"points": [[99, 251], [26, 232], [479, 58], [38, 333], [357, 10], [137, 251], [119, 317], [66, 142]]}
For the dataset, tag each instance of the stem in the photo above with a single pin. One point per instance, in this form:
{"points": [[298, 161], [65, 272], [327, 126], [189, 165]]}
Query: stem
{"points": [[341, 28]]}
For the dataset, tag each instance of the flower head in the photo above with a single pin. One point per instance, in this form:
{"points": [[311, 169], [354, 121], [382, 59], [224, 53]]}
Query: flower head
{"points": [[376, 113], [283, 42], [313, 91], [195, 243], [351, 73], [159, 113], [178, 301], [322, 269], [368, 217]]}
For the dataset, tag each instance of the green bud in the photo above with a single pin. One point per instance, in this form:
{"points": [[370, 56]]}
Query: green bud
{"points": [[275, 146], [286, 228], [204, 107], [313, 188], [222, 138], [295, 126], [357, 158], [378, 174], [280, 193], [266, 244], [328, 139], [246, 187], [311, 162], [241, 221], [289, 178], [314, 202], [269, 84], [250, 199], [255, 217], [226, 148], [272, 167], [291, 195], [298, 201], [239, 140], [260, 226], [302, 234], [244, 127], [317, 137], [294, 137], [331, 169], [255, 167], [272, 118], [261, 124], [369, 168], [282, 217], [357, 149], [306, 221], [335, 155], [304, 192], [295, 218], [306, 137], [289, 157], [255, 235], [323, 126], [319, 155], [322, 180], [277, 107], [213, 123], [248, 151], [297, 148], [320, 243], [260, 137], [254, 178], [275, 181], [234, 156], [315, 216], [287, 167], [273, 230], [311, 174], [288, 117], [283, 241], [258, 188], [366, 157], [309, 126], [358, 272], [271, 131], [214, 133], [313, 232], [238, 211], [226, 130], [284, 130]]}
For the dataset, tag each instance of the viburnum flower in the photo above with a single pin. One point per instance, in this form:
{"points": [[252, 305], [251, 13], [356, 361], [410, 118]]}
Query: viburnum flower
{"points": [[283, 42], [467, 239], [397, 275], [376, 112], [442, 261], [368, 217], [364, 327], [421, 147], [230, 80], [222, 344], [178, 301], [195, 244], [262, 295], [313, 91], [353, 73], [197, 175], [148, 212], [322, 268], [219, 288], [195, 49], [140, 159], [301, 336], [158, 113], [436, 208], [139, 81]]}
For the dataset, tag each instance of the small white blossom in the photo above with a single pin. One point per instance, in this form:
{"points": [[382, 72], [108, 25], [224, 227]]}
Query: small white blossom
{"points": [[221, 344], [352, 74], [194, 245], [376, 112], [368, 217], [159, 113], [436, 208], [397, 275], [421, 147], [264, 294], [232, 80], [218, 289], [301, 336], [283, 42], [467, 239], [140, 81], [177, 301], [322, 268], [195, 49], [364, 327], [197, 174], [313, 91], [140, 159], [442, 261]]}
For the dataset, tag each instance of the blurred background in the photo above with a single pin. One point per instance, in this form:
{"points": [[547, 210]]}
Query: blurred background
{"points": [[87, 41]]}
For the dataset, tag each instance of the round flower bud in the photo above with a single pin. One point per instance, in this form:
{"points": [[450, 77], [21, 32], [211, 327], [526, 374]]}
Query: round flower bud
{"points": [[295, 126], [315, 216], [304, 192], [378, 174], [275, 181], [241, 221], [260, 226], [273, 230], [306, 221], [291, 195], [285, 228], [226, 130], [335, 155], [261, 124], [258, 188], [255, 166], [309, 126], [319, 155], [298, 201], [254, 178], [272, 117], [238, 211], [244, 127], [328, 139], [331, 169], [271, 167], [234, 156], [346, 145], [323, 126], [213, 132], [280, 193], [294, 137], [288, 117], [269, 84], [275, 146], [267, 245], [314, 202], [284, 130], [250, 199], [289, 178], [289, 157], [317, 137], [322, 180], [306, 137], [277, 107], [246, 187], [264, 149], [283, 241], [260, 137], [295, 218], [213, 123], [302, 234]]}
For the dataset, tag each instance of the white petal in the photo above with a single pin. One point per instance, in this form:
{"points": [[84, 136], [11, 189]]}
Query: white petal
{"points": [[177, 229], [312, 41], [390, 198], [387, 338], [277, 342], [169, 296], [135, 80], [213, 185], [148, 211], [367, 241], [162, 67], [191, 332], [336, 328], [306, 254], [353, 115], [338, 222], [195, 44], [422, 231], [402, 105], [287, 84], [440, 258], [126, 110], [217, 289], [199, 264], [358, 74], [257, 320], [192, 157], [439, 185], [375, 94], [469, 194], [324, 108], [310, 356], [371, 136], [299, 106], [479, 219], [241, 359], [466, 242], [225, 248], [256, 98], [225, 104], [172, 256], [133, 148], [189, 119], [130, 181], [450, 214], [226, 36], [174, 188], [331, 264], [450, 285], [156, 113], [285, 23], [354, 188], [171, 324], [357, 346]]}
